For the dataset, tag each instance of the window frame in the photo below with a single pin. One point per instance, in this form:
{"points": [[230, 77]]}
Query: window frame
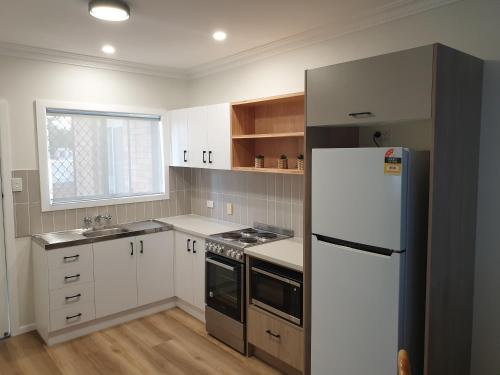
{"points": [[43, 152]]}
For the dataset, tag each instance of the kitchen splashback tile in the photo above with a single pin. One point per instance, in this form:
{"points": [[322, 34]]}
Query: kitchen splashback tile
{"points": [[22, 219], [35, 213], [34, 186]]}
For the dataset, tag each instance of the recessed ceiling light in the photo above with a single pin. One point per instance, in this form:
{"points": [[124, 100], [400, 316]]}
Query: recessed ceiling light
{"points": [[219, 36], [108, 48], [109, 10]]}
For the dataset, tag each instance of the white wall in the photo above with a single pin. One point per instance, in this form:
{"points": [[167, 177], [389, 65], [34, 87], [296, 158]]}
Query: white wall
{"points": [[21, 82], [471, 26]]}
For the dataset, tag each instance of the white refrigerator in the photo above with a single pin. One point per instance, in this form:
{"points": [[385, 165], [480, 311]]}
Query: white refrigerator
{"points": [[369, 226]]}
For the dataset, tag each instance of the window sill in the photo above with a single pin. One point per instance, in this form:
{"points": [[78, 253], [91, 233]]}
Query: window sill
{"points": [[103, 202]]}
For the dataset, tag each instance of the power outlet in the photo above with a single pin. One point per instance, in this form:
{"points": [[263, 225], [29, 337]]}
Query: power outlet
{"points": [[17, 184], [210, 204], [229, 208]]}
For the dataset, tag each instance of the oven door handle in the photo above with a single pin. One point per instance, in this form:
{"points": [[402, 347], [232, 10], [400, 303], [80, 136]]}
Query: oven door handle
{"points": [[222, 265], [280, 278]]}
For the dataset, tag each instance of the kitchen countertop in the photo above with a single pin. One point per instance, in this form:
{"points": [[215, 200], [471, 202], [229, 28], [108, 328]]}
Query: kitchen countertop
{"points": [[287, 253], [57, 240], [200, 225]]}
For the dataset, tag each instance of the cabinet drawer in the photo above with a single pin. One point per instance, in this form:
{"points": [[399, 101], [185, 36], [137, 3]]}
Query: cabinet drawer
{"points": [[72, 296], [70, 276], [276, 337], [69, 256], [71, 316]]}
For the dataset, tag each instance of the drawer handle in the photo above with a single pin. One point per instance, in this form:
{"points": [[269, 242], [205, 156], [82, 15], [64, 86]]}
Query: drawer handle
{"points": [[74, 316], [72, 258], [142, 247], [187, 245], [269, 332], [73, 277], [361, 114], [73, 297], [194, 251], [131, 249]]}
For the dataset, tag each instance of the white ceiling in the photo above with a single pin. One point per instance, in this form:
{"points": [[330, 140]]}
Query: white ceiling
{"points": [[177, 34]]}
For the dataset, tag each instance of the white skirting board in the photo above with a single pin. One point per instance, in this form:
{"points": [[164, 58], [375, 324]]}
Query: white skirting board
{"points": [[58, 337]]}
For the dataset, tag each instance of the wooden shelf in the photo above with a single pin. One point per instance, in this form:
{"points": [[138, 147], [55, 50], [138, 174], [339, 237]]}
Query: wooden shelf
{"points": [[269, 135], [270, 127], [268, 170]]}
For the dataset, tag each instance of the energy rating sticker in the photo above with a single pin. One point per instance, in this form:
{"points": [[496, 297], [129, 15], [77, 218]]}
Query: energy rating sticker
{"points": [[392, 163]]}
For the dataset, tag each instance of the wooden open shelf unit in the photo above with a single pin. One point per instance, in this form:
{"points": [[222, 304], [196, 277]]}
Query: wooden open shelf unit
{"points": [[270, 127]]}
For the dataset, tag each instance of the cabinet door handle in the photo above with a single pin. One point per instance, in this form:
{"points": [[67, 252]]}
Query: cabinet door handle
{"points": [[142, 246], [72, 258], [74, 316], [204, 153], [210, 157], [131, 249], [194, 251], [269, 332], [188, 242], [69, 298], [72, 277], [185, 157], [361, 114]]}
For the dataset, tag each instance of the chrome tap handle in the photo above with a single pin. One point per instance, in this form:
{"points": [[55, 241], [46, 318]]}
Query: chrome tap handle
{"points": [[87, 222]]}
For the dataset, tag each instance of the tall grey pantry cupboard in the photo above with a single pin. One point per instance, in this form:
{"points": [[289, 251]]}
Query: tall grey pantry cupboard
{"points": [[434, 86]]}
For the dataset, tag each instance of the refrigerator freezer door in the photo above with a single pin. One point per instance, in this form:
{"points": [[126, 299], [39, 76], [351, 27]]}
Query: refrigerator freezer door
{"points": [[357, 197], [354, 311]]}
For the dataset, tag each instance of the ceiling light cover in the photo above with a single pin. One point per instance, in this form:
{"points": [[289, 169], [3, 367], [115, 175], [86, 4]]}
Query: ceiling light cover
{"points": [[219, 36], [109, 49], [109, 10]]}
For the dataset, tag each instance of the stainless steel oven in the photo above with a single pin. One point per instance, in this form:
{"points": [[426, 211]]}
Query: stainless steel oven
{"points": [[277, 290], [225, 285]]}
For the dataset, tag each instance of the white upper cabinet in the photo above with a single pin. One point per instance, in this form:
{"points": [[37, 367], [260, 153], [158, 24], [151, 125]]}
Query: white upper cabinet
{"points": [[387, 88], [178, 121], [197, 125], [201, 137], [219, 136]]}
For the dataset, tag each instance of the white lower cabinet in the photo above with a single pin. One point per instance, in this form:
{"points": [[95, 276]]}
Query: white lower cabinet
{"points": [[190, 269], [133, 271], [79, 284]]}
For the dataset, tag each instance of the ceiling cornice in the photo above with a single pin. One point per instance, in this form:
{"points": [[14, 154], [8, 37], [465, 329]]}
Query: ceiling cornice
{"points": [[384, 14], [396, 10], [50, 55]]}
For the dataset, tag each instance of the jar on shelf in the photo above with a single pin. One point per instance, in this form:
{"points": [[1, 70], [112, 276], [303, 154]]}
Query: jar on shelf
{"points": [[259, 161], [283, 162], [300, 162]]}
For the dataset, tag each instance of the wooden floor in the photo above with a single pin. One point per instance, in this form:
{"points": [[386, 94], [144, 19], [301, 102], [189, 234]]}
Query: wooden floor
{"points": [[171, 342]]}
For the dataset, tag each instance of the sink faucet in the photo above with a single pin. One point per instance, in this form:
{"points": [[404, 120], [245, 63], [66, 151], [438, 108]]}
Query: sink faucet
{"points": [[98, 219], [87, 222]]}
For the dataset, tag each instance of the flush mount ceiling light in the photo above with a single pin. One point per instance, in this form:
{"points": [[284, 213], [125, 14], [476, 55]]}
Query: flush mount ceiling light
{"points": [[219, 36], [109, 10], [108, 48]]}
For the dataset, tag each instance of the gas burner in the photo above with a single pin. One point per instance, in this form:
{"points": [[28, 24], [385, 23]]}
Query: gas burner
{"points": [[248, 240], [267, 236], [231, 236], [249, 231]]}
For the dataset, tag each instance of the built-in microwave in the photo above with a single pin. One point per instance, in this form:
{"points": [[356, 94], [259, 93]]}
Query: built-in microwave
{"points": [[277, 290]]}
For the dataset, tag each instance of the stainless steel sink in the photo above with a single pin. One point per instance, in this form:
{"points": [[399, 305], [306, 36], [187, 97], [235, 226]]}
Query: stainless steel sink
{"points": [[104, 232]]}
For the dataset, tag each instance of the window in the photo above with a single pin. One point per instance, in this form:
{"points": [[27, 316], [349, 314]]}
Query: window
{"points": [[91, 156]]}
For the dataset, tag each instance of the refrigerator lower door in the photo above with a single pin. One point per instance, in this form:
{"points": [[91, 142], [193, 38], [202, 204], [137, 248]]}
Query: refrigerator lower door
{"points": [[355, 311]]}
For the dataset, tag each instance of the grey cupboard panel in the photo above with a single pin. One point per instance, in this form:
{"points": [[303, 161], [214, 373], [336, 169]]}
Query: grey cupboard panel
{"points": [[393, 87]]}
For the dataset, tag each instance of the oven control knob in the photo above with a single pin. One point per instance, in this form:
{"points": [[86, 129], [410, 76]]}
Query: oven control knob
{"points": [[221, 249], [239, 256], [230, 253]]}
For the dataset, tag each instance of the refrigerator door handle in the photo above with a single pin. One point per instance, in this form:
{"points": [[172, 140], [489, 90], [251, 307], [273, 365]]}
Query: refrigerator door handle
{"points": [[354, 245]]}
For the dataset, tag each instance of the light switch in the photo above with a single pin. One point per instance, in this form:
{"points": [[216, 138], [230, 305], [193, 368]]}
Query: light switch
{"points": [[17, 184], [210, 204], [229, 208]]}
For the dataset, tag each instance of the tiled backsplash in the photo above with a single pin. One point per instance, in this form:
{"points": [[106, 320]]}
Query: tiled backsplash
{"points": [[269, 198], [30, 220]]}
